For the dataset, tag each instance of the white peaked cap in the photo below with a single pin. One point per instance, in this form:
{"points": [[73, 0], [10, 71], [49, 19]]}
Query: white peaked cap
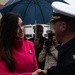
{"points": [[63, 8]]}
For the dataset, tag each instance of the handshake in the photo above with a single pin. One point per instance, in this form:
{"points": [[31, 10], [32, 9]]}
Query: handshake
{"points": [[40, 72]]}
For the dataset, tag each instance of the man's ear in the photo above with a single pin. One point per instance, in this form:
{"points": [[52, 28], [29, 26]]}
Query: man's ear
{"points": [[64, 26]]}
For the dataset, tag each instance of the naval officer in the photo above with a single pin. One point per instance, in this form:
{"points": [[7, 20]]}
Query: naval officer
{"points": [[64, 26]]}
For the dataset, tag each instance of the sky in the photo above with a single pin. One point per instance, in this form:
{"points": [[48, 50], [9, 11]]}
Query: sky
{"points": [[3, 1]]}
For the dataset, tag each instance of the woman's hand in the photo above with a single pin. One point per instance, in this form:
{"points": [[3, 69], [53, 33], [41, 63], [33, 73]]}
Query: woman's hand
{"points": [[37, 72], [40, 72]]}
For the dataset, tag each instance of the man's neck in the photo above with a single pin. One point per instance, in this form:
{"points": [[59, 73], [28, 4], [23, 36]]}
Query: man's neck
{"points": [[68, 37]]}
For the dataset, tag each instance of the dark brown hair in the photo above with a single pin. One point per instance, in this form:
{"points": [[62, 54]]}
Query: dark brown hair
{"points": [[8, 31]]}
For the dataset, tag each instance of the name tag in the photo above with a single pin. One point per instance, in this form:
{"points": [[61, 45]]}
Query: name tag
{"points": [[73, 56]]}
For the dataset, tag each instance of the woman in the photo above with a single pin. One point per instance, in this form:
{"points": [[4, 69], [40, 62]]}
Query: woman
{"points": [[49, 56], [49, 53], [17, 56]]}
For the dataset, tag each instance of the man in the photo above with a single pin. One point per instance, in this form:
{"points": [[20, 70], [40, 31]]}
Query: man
{"points": [[64, 26], [38, 40]]}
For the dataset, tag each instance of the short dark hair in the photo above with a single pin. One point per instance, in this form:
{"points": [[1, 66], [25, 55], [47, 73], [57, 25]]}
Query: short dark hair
{"points": [[60, 17], [37, 27]]}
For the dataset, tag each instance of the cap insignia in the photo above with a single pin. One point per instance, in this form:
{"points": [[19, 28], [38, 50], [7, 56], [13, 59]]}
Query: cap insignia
{"points": [[56, 17]]}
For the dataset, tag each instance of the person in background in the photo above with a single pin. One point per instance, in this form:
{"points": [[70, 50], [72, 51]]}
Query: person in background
{"points": [[17, 54], [56, 43], [64, 26], [38, 40], [49, 52]]}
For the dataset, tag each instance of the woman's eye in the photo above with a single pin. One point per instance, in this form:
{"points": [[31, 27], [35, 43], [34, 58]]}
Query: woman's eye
{"points": [[22, 24]]}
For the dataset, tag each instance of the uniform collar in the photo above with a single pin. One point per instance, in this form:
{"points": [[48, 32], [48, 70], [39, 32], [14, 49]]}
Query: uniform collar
{"points": [[66, 46]]}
